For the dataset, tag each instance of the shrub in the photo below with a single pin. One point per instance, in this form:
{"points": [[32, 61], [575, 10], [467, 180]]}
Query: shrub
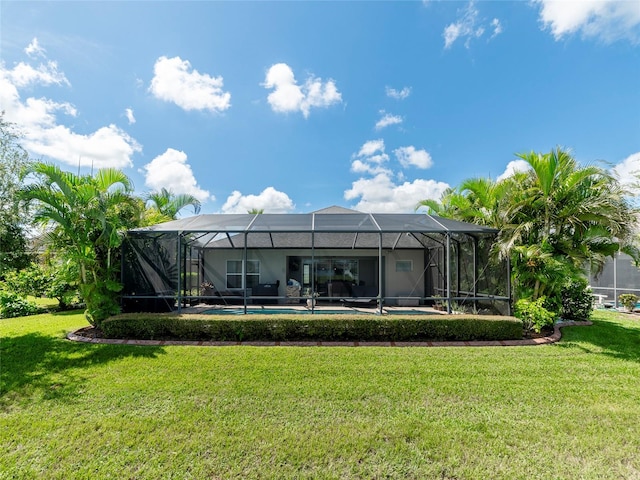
{"points": [[577, 300], [629, 300], [12, 305], [311, 327], [533, 314]]}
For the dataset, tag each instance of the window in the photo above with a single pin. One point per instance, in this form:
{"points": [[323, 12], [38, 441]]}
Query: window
{"points": [[328, 269], [404, 266], [234, 273]]}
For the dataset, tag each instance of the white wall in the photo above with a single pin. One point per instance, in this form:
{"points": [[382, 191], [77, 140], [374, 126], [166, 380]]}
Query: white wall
{"points": [[400, 284]]}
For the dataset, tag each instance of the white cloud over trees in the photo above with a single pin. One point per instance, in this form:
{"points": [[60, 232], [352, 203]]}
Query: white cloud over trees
{"points": [[176, 82], [170, 170], [628, 172], [287, 96], [513, 167]]}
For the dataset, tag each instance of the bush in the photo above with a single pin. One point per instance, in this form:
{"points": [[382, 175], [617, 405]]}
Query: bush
{"points": [[12, 305], [533, 314], [318, 327], [629, 300], [577, 300]]}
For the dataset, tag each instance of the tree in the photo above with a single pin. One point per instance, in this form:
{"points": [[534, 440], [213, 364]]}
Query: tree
{"points": [[581, 213], [86, 217], [256, 211], [13, 159], [555, 219], [170, 204]]}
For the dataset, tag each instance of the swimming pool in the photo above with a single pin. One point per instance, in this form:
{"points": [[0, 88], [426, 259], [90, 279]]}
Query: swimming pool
{"points": [[318, 311], [277, 311]]}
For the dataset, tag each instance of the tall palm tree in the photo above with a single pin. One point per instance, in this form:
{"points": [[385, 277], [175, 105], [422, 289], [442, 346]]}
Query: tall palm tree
{"points": [[169, 204], [583, 212], [86, 217], [554, 219]]}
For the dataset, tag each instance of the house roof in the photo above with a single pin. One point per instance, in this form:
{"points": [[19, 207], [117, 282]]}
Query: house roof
{"points": [[348, 229], [317, 222]]}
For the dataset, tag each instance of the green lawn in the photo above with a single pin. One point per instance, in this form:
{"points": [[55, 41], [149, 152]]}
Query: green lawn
{"points": [[569, 410]]}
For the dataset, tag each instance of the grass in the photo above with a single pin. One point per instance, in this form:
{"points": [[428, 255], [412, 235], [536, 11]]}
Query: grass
{"points": [[44, 302], [568, 410]]}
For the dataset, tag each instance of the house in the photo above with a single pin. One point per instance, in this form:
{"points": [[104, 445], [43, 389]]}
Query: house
{"points": [[331, 256]]}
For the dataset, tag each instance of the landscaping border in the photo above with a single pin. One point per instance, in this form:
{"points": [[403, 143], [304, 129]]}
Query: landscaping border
{"points": [[77, 336]]}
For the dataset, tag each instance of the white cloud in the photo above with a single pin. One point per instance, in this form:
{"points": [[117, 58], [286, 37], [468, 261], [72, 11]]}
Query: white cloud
{"points": [[170, 170], [497, 27], [44, 135], [370, 158], [628, 172], [24, 74], [288, 96], [270, 200], [381, 195], [107, 147], [609, 20], [129, 114], [387, 119], [410, 157], [451, 34], [469, 25], [398, 94], [34, 49], [371, 147], [174, 81], [513, 167], [358, 166]]}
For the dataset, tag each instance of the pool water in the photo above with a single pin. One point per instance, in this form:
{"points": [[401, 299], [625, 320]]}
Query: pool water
{"points": [[274, 311]]}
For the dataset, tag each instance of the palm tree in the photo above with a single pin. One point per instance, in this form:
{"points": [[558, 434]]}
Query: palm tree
{"points": [[86, 217], [170, 204], [554, 219], [583, 212]]}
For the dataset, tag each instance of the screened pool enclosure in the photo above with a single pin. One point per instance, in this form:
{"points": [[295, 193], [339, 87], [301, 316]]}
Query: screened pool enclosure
{"points": [[322, 258]]}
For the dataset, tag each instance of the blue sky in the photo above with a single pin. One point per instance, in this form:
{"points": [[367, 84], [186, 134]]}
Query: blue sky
{"points": [[295, 106]]}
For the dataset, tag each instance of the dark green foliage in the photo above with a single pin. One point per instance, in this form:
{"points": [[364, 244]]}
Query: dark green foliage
{"points": [[13, 158], [13, 305], [29, 281], [13, 248], [45, 281], [292, 327], [577, 300]]}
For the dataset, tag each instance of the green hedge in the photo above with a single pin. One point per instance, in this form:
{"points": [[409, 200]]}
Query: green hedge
{"points": [[317, 327]]}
